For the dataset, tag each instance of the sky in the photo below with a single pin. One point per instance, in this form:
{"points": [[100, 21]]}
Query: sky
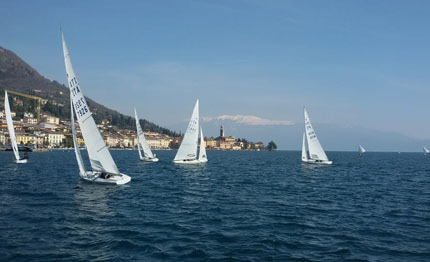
{"points": [[254, 65]]}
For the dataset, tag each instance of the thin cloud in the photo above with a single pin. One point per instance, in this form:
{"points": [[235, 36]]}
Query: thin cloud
{"points": [[249, 120]]}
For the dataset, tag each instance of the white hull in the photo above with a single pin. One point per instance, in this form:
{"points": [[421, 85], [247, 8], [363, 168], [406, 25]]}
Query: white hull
{"points": [[319, 162], [94, 177], [21, 161], [194, 161], [149, 159]]}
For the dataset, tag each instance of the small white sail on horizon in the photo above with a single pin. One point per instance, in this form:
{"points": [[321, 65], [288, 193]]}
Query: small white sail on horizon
{"points": [[11, 130], [425, 150], [148, 155], [316, 152], [187, 152], [104, 169], [361, 149]]}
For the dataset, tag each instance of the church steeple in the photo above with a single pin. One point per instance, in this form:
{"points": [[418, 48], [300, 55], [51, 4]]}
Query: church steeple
{"points": [[221, 131]]}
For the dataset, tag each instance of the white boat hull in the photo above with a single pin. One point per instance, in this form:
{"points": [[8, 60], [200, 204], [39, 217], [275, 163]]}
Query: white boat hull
{"points": [[21, 161], [94, 177], [187, 162], [148, 159], [319, 162]]}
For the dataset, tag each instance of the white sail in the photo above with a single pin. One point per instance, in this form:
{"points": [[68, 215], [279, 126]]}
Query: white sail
{"points": [[304, 152], [361, 149], [10, 127], [138, 150], [316, 151], [75, 142], [202, 152], [100, 157], [425, 150], [146, 149], [188, 148]]}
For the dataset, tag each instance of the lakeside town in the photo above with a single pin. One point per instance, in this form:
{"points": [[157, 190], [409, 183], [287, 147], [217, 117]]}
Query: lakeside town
{"points": [[44, 132]]}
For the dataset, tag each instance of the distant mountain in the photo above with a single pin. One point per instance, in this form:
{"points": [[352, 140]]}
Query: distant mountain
{"points": [[332, 137], [17, 75]]}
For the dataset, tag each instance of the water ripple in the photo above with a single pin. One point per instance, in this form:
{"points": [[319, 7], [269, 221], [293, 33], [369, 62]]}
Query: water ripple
{"points": [[240, 206]]}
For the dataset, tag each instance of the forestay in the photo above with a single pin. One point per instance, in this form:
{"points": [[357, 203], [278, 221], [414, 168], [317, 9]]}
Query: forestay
{"points": [[188, 148], [100, 158], [316, 151]]}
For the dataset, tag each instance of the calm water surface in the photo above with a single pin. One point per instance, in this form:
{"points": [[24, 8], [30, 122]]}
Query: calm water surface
{"points": [[240, 206]]}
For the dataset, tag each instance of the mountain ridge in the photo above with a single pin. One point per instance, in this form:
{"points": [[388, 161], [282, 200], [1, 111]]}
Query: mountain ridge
{"points": [[18, 75]]}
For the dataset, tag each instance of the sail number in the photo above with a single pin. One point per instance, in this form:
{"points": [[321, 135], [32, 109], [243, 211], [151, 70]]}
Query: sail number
{"points": [[74, 86], [81, 107], [192, 125]]}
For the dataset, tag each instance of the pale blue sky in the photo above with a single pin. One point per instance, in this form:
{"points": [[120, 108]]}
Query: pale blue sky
{"points": [[352, 63]]}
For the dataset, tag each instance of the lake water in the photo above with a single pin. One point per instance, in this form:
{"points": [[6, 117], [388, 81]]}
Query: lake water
{"points": [[240, 206]]}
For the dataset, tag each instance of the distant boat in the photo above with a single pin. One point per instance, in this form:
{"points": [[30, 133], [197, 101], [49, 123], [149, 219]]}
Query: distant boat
{"points": [[104, 169], [425, 150], [361, 150], [21, 149], [11, 129], [315, 153], [148, 155], [187, 152]]}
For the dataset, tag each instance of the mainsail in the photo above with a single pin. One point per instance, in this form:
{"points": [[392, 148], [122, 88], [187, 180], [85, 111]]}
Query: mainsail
{"points": [[188, 148], [361, 149], [425, 150], [75, 142], [202, 151], [10, 126], [142, 141], [316, 151], [100, 158]]}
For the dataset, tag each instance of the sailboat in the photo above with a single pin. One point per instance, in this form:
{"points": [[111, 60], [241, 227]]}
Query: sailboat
{"points": [[148, 155], [104, 169], [14, 144], [361, 150], [425, 150], [316, 154], [187, 152]]}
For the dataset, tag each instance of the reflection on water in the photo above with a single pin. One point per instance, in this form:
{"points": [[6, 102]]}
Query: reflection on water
{"points": [[95, 198]]}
